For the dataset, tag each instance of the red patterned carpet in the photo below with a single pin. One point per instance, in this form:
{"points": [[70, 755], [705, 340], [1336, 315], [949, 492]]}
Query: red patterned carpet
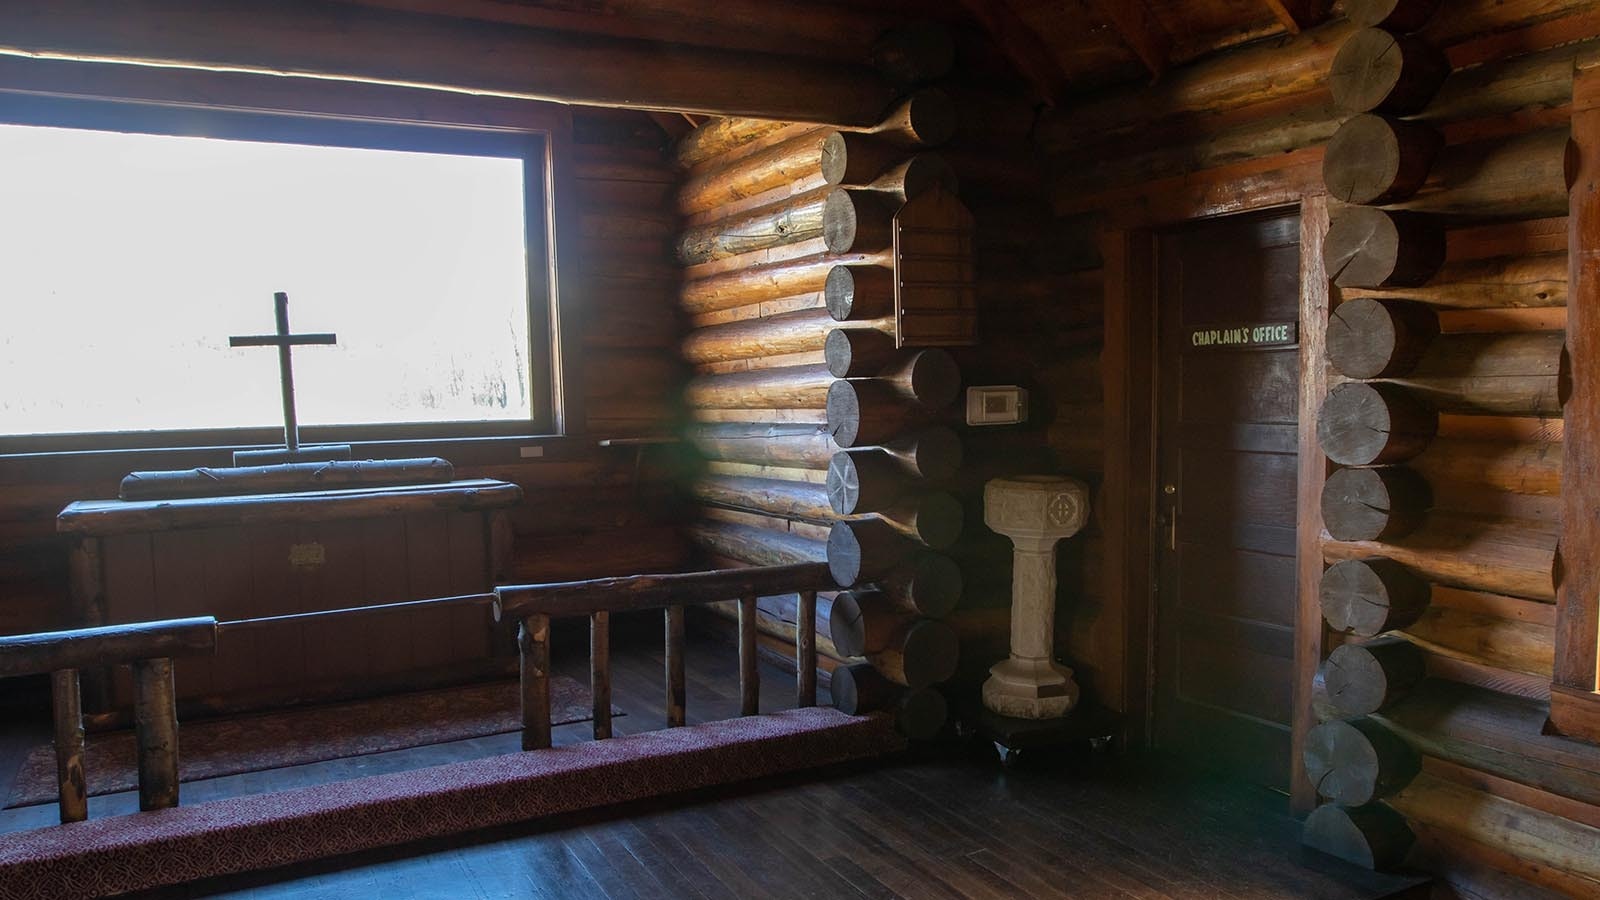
{"points": [[255, 743]]}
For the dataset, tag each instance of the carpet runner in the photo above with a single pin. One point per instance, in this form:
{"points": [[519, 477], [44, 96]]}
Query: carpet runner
{"points": [[173, 846], [275, 740]]}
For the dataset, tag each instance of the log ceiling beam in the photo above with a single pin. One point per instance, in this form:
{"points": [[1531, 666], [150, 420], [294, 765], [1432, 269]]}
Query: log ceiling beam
{"points": [[1298, 15], [336, 41], [1139, 29], [1022, 46]]}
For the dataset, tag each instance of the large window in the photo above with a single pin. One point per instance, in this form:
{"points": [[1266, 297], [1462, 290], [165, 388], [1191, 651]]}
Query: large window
{"points": [[135, 241]]}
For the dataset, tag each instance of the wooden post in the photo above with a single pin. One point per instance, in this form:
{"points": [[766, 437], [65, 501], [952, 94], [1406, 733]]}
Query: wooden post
{"points": [[533, 641], [72, 787], [600, 672], [155, 721], [676, 692], [749, 678], [805, 651], [86, 585]]}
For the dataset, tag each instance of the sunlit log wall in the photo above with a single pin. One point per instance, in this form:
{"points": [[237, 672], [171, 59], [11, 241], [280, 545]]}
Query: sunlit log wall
{"points": [[1450, 332], [820, 439]]}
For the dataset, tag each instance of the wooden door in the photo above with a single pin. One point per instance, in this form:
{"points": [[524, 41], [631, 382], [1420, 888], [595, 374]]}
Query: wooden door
{"points": [[1228, 301]]}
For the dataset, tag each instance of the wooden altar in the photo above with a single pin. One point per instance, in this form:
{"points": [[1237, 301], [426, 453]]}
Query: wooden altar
{"points": [[263, 557]]}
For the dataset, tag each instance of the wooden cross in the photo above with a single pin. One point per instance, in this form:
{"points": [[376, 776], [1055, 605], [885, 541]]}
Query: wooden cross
{"points": [[283, 340]]}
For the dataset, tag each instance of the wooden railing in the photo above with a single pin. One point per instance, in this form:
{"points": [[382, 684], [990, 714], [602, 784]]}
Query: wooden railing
{"points": [[149, 647], [534, 605]]}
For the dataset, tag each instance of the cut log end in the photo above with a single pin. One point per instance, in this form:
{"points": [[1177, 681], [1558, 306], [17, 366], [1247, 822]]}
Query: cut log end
{"points": [[937, 519], [1363, 424], [923, 654], [922, 714], [1361, 679], [1370, 338], [927, 118], [855, 293], [857, 352], [1370, 596], [863, 549], [1374, 504], [1356, 762], [1375, 160], [1373, 836], [1376, 248], [933, 454], [914, 54], [1380, 71], [930, 586]]}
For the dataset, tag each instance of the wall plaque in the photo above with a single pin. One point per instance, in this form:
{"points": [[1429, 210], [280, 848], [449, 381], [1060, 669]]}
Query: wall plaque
{"points": [[1238, 337]]}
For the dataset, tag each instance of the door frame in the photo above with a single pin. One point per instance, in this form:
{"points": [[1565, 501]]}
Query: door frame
{"points": [[1128, 498]]}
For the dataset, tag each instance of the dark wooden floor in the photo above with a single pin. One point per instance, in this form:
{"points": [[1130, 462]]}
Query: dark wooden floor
{"points": [[945, 823]]}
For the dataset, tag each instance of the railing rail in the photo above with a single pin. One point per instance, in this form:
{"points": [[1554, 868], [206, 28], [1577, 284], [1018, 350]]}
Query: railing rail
{"points": [[532, 606], [150, 647]]}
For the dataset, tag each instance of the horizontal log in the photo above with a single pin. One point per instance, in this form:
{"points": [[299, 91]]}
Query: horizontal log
{"points": [[1500, 636], [870, 411], [859, 352], [790, 387], [1362, 678], [1375, 159], [859, 689], [1371, 595], [799, 159], [214, 482], [641, 592], [106, 645], [910, 177], [1373, 836], [1380, 71], [788, 499], [722, 136], [1510, 557], [789, 221], [1544, 838], [327, 41], [1517, 467], [923, 653], [862, 550], [932, 519], [865, 622], [757, 546], [931, 454], [794, 446], [1490, 374], [866, 480], [1507, 282], [1394, 15], [1375, 248], [755, 284], [857, 221], [858, 293], [1369, 338], [1358, 761], [1374, 504], [1363, 424], [801, 331], [926, 118], [929, 586], [1520, 177]]}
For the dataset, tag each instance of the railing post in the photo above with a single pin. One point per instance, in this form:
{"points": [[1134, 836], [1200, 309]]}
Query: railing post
{"points": [[805, 650], [72, 790], [600, 672], [155, 720], [676, 691], [749, 678], [533, 644]]}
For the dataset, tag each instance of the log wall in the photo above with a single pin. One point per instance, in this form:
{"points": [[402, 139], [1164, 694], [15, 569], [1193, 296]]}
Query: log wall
{"points": [[589, 511], [1474, 374], [820, 439]]}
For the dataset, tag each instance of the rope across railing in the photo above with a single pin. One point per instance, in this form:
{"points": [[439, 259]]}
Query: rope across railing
{"points": [[150, 647]]}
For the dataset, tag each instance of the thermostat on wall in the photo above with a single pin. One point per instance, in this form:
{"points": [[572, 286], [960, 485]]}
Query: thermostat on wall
{"points": [[997, 404]]}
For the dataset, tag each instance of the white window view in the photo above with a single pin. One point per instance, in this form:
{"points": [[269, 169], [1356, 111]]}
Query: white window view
{"points": [[127, 260]]}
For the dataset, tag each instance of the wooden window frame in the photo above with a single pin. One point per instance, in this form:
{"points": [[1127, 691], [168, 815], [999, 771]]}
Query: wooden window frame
{"points": [[35, 90], [1574, 701]]}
